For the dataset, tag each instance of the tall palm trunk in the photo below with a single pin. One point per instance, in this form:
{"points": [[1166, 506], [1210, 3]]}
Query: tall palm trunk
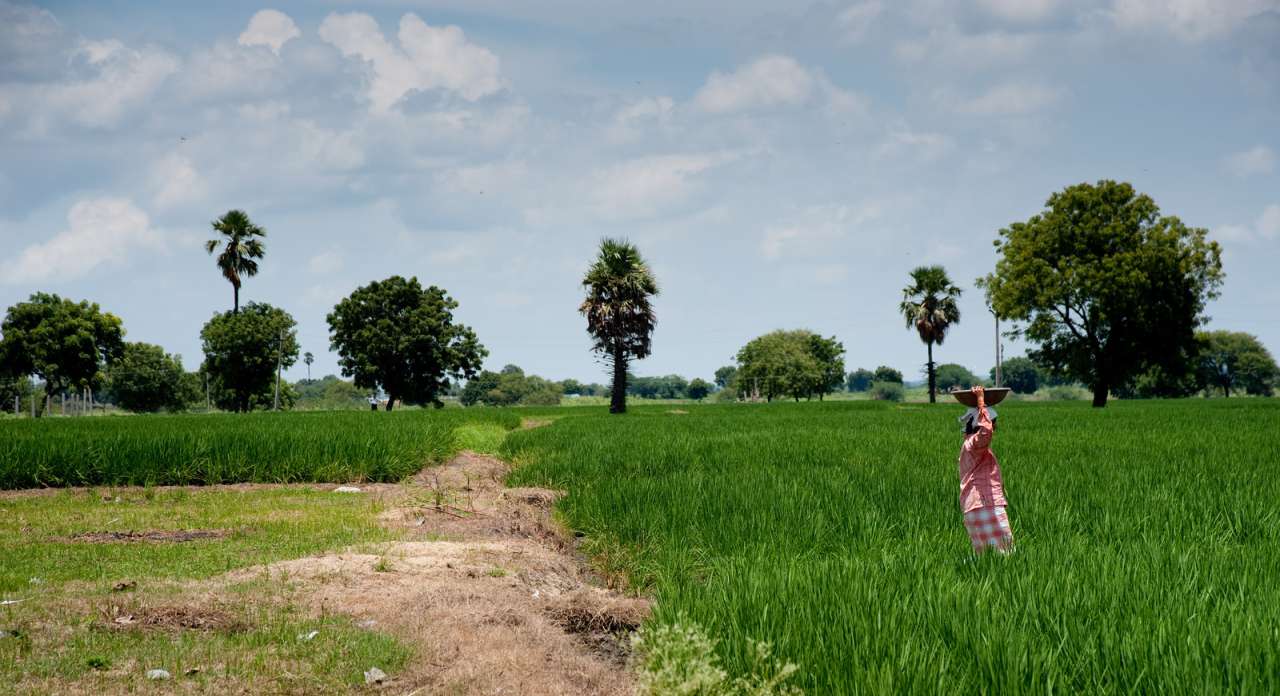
{"points": [[933, 377], [618, 399], [235, 308]]}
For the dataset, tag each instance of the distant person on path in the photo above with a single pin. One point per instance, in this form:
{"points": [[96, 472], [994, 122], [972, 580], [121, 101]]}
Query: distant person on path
{"points": [[373, 403], [981, 488]]}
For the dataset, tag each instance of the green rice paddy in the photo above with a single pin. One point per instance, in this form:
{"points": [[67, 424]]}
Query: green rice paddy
{"points": [[1148, 540], [339, 446]]}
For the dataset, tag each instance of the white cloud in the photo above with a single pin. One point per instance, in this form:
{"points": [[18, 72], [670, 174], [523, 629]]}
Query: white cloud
{"points": [[631, 120], [767, 82], [953, 49], [1269, 222], [99, 231], [1266, 227], [903, 142], [326, 262], [175, 181], [484, 179], [1256, 160], [428, 58], [327, 148], [1012, 99], [226, 69], [270, 28], [1020, 10], [121, 78], [454, 254], [816, 230], [856, 19], [772, 82], [1189, 20], [645, 186]]}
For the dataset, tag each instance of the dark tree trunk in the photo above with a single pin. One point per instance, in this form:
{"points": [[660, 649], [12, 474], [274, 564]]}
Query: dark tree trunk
{"points": [[235, 308], [618, 400], [933, 377], [1099, 394]]}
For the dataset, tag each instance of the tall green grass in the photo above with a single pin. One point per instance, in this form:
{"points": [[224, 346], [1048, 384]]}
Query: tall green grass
{"points": [[226, 448], [1148, 540]]}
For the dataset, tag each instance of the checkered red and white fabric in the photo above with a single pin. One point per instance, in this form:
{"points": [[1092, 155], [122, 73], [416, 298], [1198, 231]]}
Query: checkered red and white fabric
{"points": [[988, 527]]}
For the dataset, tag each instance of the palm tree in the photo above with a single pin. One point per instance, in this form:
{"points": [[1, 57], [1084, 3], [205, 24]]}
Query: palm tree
{"points": [[619, 316], [929, 304], [308, 358], [240, 246]]}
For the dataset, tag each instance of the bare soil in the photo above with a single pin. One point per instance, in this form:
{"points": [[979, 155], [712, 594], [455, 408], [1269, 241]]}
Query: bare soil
{"points": [[168, 619], [154, 536], [488, 588]]}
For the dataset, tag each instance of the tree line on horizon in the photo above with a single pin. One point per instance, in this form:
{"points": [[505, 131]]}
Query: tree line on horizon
{"points": [[1110, 292]]}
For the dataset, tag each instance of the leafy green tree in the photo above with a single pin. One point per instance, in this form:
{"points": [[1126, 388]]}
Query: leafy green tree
{"points": [[666, 387], [952, 376], [241, 243], [620, 317], [1236, 360], [240, 353], [777, 364], [329, 393], [571, 386], [1109, 287], [145, 379], [884, 373], [860, 380], [725, 376], [790, 363], [65, 343], [887, 391], [401, 338], [308, 358], [830, 356], [1157, 382], [540, 392], [1022, 375], [929, 304], [191, 390], [479, 387], [15, 388], [698, 389]]}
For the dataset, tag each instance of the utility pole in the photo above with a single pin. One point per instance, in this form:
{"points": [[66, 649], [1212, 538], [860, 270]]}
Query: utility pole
{"points": [[998, 351], [279, 358]]}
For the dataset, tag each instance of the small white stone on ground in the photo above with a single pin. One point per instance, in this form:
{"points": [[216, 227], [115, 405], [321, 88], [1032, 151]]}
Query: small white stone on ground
{"points": [[374, 676], [346, 489], [155, 674], [308, 636]]}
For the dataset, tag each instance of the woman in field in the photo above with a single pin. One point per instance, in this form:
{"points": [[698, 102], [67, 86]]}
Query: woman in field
{"points": [[981, 488]]}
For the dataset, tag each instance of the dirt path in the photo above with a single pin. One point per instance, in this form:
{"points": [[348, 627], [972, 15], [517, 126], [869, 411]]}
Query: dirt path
{"points": [[492, 594]]}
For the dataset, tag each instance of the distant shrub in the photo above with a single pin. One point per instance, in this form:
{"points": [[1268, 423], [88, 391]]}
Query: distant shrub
{"points": [[887, 391], [1066, 393]]}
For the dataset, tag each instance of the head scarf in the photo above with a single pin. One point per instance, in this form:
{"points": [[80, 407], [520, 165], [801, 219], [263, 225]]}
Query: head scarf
{"points": [[970, 418]]}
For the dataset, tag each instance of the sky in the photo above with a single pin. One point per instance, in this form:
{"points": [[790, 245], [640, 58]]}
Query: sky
{"points": [[781, 165]]}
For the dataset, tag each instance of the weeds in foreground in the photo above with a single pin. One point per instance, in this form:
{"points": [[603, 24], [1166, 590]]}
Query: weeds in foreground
{"points": [[681, 659]]}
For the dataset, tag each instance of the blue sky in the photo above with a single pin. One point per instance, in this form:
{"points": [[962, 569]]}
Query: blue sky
{"points": [[782, 165]]}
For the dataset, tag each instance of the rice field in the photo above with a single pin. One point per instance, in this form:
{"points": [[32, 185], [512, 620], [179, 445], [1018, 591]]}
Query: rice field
{"points": [[339, 446], [1148, 540]]}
